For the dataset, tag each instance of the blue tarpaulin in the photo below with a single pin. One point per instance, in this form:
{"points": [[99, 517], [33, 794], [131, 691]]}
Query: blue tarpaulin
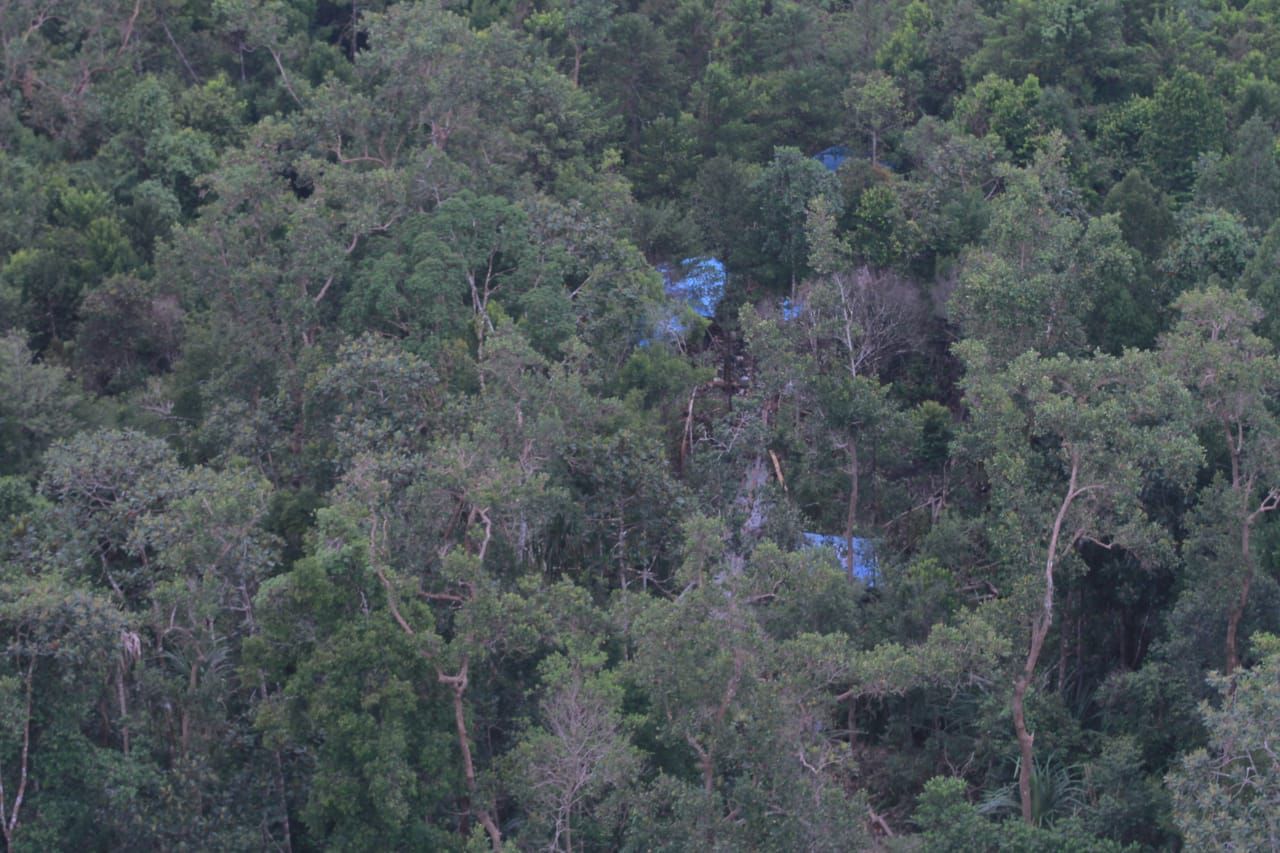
{"points": [[694, 283], [863, 565], [832, 157]]}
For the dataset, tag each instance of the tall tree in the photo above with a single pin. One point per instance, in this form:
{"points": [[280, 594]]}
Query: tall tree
{"points": [[874, 105], [1030, 284], [783, 192], [1068, 446], [1186, 121], [1233, 374], [1228, 794], [749, 758], [39, 405]]}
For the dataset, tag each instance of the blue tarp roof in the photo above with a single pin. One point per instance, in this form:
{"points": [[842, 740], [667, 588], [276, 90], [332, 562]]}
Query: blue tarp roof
{"points": [[832, 157], [697, 282], [694, 283], [864, 555]]}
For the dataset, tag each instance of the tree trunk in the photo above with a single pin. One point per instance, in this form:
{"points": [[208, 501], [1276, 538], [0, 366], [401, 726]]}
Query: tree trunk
{"points": [[1026, 739], [284, 802], [1063, 648], [9, 818], [1039, 631], [705, 763], [1268, 504], [851, 518], [458, 683], [124, 710], [1237, 611]]}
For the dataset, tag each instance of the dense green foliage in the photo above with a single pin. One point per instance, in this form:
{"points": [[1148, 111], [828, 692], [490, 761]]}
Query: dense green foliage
{"points": [[363, 486]]}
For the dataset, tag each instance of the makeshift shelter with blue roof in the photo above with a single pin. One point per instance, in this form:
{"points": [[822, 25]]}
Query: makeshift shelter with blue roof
{"points": [[832, 157], [862, 566], [696, 284]]}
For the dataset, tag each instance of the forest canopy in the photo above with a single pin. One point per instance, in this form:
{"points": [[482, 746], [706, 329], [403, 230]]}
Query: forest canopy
{"points": [[668, 425]]}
